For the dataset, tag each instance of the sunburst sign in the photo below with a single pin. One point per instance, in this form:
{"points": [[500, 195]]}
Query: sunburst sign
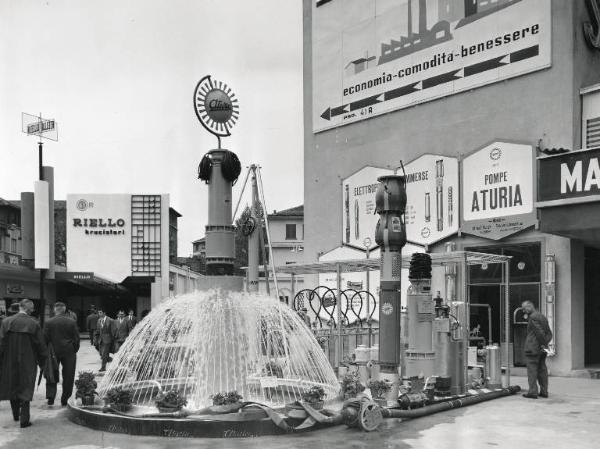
{"points": [[216, 106]]}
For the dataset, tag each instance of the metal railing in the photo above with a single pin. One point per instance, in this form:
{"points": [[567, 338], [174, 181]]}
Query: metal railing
{"points": [[351, 324]]}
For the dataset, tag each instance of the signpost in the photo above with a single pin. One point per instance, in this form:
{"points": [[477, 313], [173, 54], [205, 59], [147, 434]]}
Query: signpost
{"points": [[46, 129]]}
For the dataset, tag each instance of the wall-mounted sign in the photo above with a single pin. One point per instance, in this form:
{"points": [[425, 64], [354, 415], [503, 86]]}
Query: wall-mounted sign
{"points": [[497, 190], [15, 289], [431, 199], [99, 235], [570, 175], [371, 56], [358, 205], [75, 276]]}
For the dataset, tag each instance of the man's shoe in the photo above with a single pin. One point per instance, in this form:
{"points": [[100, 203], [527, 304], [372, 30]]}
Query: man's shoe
{"points": [[530, 396], [543, 395], [110, 359], [15, 417], [25, 424], [101, 370], [50, 401]]}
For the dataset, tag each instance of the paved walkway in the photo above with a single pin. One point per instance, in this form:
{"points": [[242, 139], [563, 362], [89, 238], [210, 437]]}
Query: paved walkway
{"points": [[570, 418]]}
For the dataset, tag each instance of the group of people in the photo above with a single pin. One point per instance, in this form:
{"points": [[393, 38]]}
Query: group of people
{"points": [[108, 334], [24, 347]]}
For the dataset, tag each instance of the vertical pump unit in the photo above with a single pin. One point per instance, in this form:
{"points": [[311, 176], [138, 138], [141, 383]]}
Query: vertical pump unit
{"points": [[390, 235]]}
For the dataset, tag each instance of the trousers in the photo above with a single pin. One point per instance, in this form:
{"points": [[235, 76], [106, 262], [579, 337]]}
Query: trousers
{"points": [[537, 372], [67, 362], [20, 410]]}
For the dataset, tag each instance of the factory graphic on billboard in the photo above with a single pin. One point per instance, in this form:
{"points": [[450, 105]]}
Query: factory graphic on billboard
{"points": [[395, 54]]}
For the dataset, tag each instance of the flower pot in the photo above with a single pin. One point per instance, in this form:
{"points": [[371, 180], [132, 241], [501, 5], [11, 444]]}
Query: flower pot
{"points": [[87, 400], [167, 409], [295, 411], [381, 402], [121, 407], [226, 408], [318, 405]]}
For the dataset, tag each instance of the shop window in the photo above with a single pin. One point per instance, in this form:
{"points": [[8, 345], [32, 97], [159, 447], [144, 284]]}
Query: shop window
{"points": [[590, 126], [290, 231]]}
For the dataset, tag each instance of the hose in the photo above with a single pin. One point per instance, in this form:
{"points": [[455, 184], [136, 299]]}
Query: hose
{"points": [[231, 167], [449, 405], [205, 168]]}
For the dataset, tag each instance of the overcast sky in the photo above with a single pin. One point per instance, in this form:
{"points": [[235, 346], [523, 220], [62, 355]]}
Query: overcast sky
{"points": [[119, 75]]}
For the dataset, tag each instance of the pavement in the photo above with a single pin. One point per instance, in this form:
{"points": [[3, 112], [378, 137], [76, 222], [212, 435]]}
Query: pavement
{"points": [[569, 418]]}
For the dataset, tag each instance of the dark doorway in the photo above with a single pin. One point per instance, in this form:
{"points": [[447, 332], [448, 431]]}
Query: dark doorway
{"points": [[592, 306]]}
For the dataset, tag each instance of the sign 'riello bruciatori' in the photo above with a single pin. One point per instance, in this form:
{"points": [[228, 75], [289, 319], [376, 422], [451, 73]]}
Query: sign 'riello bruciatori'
{"points": [[99, 234], [571, 175], [372, 57], [497, 190], [432, 210], [358, 205]]}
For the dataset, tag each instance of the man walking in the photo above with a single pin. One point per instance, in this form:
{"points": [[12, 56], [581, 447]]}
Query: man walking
{"points": [[132, 320], [121, 330], [91, 323], [22, 350], [536, 343], [105, 331], [61, 332]]}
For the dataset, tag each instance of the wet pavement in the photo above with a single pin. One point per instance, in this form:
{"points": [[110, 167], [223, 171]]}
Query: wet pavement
{"points": [[569, 418]]}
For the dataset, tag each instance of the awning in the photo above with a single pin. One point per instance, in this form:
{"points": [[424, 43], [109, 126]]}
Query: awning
{"points": [[90, 281], [354, 265]]}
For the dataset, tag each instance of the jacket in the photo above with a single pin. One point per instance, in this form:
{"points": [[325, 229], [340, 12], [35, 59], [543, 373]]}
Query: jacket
{"points": [[538, 334], [91, 322], [105, 334], [121, 329], [62, 332], [22, 350]]}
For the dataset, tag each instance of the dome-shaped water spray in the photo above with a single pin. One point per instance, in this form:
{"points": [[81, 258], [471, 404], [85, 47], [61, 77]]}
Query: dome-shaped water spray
{"points": [[210, 342]]}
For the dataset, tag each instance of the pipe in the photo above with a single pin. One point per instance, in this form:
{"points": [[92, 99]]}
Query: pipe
{"points": [[449, 405]]}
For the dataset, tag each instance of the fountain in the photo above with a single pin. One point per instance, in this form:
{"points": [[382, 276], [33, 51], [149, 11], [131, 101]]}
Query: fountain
{"points": [[210, 342]]}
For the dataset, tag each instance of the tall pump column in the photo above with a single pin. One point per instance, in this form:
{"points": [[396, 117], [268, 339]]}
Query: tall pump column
{"points": [[390, 235]]}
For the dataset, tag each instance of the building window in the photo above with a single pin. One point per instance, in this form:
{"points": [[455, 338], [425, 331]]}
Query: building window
{"points": [[290, 232], [590, 126], [13, 246]]}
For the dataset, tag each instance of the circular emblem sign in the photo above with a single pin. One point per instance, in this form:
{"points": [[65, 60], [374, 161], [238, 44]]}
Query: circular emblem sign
{"points": [[216, 106], [387, 308], [82, 205], [495, 154]]}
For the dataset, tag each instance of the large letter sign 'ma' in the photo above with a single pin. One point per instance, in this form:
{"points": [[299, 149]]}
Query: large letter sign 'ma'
{"points": [[592, 29]]}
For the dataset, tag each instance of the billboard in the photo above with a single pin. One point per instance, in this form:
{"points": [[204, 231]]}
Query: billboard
{"points": [[375, 56], [497, 190], [431, 199], [98, 235], [358, 215]]}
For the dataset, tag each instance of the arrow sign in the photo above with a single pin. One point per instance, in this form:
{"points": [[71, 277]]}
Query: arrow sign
{"points": [[441, 79], [332, 112], [526, 53], [369, 101], [401, 91], [484, 66]]}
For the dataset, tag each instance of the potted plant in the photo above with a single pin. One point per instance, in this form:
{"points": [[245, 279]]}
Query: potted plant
{"points": [[86, 387], [226, 402], [119, 398], [378, 390], [314, 397], [351, 385], [170, 401]]}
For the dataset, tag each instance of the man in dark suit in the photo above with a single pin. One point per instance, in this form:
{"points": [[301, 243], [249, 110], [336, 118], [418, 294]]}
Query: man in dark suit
{"points": [[61, 332], [22, 350], [91, 323], [536, 344], [132, 320], [121, 330], [105, 332]]}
